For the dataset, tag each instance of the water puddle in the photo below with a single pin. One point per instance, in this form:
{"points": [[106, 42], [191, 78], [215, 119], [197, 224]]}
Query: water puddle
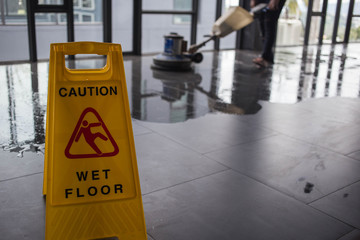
{"points": [[225, 81], [21, 149]]}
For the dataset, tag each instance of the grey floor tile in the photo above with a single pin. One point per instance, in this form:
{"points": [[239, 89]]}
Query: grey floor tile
{"points": [[211, 132], [228, 205], [332, 123], [150, 238], [291, 166], [336, 108], [163, 163], [353, 235], [12, 166], [278, 112], [343, 204], [355, 155], [319, 130], [22, 208], [345, 139], [138, 129]]}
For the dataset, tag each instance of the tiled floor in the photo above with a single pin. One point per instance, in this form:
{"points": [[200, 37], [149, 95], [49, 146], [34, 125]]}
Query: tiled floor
{"points": [[287, 167]]}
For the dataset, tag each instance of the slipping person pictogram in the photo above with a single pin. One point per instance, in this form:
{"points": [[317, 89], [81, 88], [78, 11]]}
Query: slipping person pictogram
{"points": [[89, 136], [91, 130]]}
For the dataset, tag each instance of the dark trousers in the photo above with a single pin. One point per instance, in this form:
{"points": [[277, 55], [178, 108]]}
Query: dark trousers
{"points": [[268, 25]]}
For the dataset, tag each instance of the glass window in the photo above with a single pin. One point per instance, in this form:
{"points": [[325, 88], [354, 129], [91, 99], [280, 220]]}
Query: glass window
{"points": [[90, 12], [355, 30], [88, 4], [51, 2], [357, 8], [1, 14], [15, 12], [205, 22], [317, 5], [182, 19], [46, 18], [342, 21], [122, 30], [77, 3], [314, 30], [230, 3], [62, 17], [157, 5], [292, 22], [182, 5], [87, 11], [155, 27], [87, 17], [329, 22], [330, 18]]}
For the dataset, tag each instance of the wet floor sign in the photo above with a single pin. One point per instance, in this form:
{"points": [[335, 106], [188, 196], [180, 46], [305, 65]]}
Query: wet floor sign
{"points": [[91, 179]]}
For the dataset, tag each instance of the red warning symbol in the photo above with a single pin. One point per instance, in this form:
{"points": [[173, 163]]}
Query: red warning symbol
{"points": [[91, 138]]}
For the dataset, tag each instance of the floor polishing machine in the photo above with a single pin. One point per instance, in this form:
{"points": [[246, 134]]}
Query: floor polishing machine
{"points": [[176, 56]]}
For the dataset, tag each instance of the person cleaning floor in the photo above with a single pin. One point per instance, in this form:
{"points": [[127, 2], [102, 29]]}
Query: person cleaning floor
{"points": [[268, 24]]}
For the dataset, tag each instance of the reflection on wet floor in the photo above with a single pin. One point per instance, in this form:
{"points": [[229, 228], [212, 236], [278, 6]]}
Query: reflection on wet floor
{"points": [[225, 81]]}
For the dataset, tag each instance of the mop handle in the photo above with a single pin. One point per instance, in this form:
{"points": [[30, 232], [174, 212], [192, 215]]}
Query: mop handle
{"points": [[195, 47]]}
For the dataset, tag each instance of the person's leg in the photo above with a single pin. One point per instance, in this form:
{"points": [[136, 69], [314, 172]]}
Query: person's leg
{"points": [[269, 37], [270, 25], [262, 25], [261, 19]]}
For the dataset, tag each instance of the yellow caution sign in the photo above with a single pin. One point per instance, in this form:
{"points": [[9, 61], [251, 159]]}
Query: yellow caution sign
{"points": [[91, 178]]}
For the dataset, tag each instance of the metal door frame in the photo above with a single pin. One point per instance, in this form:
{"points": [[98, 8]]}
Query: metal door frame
{"points": [[137, 22], [33, 6], [322, 14]]}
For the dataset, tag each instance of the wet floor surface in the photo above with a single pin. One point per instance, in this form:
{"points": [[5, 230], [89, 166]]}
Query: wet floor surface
{"points": [[226, 151], [225, 81]]}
